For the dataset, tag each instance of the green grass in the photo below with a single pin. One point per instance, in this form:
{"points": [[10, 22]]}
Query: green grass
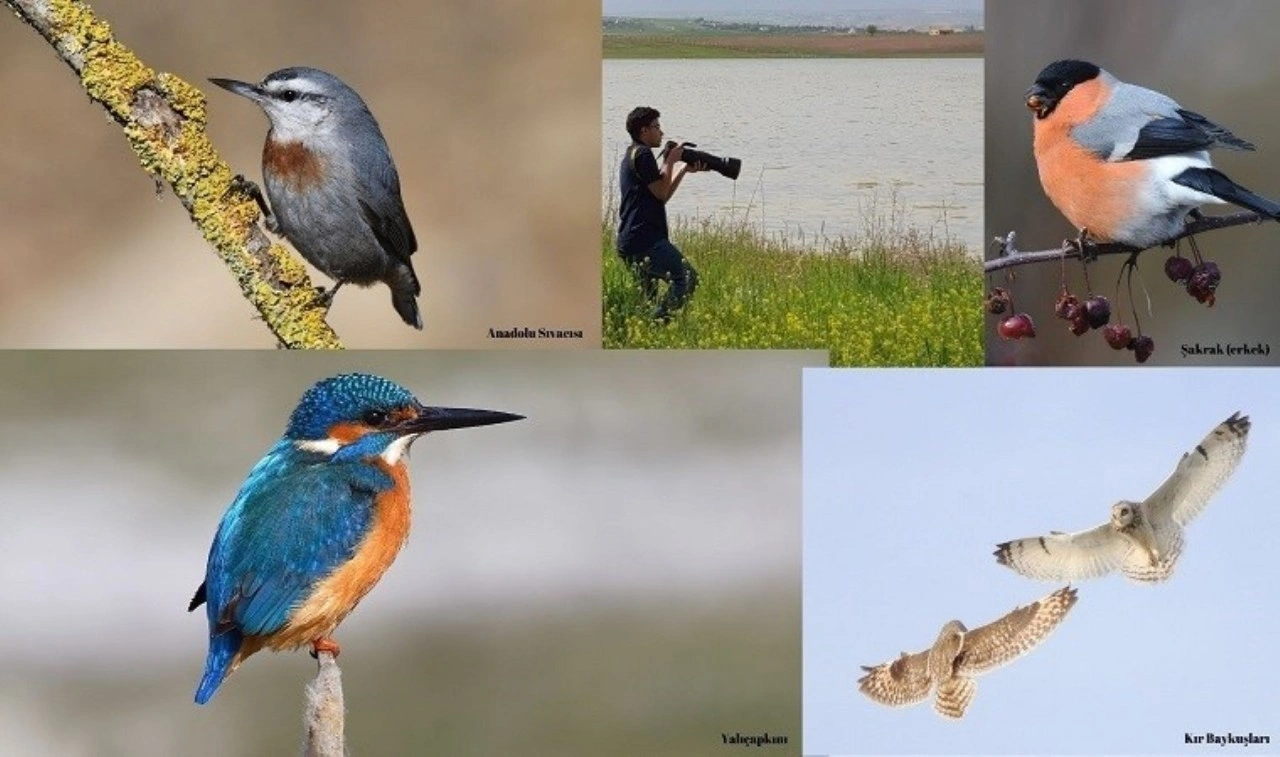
{"points": [[894, 297]]}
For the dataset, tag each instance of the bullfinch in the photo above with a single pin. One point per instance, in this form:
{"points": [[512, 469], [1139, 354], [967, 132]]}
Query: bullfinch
{"points": [[1126, 163]]}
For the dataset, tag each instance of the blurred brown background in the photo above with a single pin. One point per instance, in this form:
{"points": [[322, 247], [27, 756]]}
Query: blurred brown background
{"points": [[1218, 59], [618, 574], [491, 109]]}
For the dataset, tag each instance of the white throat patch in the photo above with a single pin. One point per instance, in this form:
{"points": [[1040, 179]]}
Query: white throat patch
{"points": [[398, 449], [326, 446]]}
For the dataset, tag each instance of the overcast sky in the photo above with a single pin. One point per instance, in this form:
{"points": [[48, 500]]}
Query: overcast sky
{"points": [[913, 477]]}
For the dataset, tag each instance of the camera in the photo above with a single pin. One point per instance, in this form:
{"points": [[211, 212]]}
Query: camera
{"points": [[727, 167]]}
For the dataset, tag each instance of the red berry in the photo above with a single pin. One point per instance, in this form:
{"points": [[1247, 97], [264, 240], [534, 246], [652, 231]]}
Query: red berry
{"points": [[1204, 282], [1073, 311], [1117, 335], [1064, 307], [1016, 326], [1178, 269], [1079, 325], [1097, 311], [1143, 346]]}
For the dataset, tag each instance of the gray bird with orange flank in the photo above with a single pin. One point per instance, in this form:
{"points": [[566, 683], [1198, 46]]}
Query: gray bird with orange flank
{"points": [[332, 184]]}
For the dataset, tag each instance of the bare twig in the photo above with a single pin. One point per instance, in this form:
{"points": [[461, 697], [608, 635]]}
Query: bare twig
{"points": [[1010, 256], [325, 710], [163, 117]]}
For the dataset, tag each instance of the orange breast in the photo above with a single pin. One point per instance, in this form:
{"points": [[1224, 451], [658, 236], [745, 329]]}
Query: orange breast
{"points": [[339, 593], [1091, 192], [291, 162]]}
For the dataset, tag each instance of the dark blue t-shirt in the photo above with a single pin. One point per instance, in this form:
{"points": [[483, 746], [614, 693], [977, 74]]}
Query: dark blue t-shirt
{"points": [[642, 217]]}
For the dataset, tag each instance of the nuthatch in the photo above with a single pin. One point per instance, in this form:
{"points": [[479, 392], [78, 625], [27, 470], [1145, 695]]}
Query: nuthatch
{"points": [[332, 183]]}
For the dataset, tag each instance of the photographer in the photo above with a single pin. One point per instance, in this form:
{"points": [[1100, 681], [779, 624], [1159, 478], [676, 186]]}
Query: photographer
{"points": [[642, 215]]}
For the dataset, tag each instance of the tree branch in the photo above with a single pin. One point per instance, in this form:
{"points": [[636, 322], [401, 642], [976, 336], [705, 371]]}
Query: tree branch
{"points": [[163, 117], [1011, 256], [325, 710]]}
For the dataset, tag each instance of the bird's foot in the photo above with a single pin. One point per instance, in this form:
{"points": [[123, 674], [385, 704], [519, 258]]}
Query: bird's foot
{"points": [[240, 184], [1082, 245], [325, 644], [325, 296]]}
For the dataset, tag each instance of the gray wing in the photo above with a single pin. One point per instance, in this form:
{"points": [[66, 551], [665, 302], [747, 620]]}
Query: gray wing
{"points": [[383, 209], [901, 682], [1118, 126], [1005, 640], [1065, 557], [1200, 473]]}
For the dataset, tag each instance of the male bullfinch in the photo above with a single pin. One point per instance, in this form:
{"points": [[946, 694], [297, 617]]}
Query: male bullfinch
{"points": [[1125, 163]]}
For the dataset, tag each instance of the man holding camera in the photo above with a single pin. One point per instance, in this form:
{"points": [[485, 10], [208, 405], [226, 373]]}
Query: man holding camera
{"points": [[643, 241]]}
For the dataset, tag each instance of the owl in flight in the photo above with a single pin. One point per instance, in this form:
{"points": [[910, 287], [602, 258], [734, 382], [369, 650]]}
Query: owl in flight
{"points": [[1142, 539], [960, 654]]}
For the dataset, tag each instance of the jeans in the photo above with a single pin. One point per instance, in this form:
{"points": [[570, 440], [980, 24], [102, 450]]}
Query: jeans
{"points": [[664, 261]]}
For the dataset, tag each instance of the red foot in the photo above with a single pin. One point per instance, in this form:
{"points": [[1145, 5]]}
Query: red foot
{"points": [[325, 644]]}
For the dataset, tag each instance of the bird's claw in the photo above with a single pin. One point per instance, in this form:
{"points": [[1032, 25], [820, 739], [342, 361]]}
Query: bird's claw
{"points": [[325, 644], [325, 296], [240, 184]]}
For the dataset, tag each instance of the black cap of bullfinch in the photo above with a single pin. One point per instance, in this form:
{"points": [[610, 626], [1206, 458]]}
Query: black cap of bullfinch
{"points": [[1055, 81]]}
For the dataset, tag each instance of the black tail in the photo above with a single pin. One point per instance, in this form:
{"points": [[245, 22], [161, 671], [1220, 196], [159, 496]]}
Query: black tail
{"points": [[404, 295], [1214, 182]]}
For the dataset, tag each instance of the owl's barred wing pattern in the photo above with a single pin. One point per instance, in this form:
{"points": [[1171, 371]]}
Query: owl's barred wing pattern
{"points": [[1065, 557], [954, 696], [1201, 472], [901, 682], [1012, 636]]}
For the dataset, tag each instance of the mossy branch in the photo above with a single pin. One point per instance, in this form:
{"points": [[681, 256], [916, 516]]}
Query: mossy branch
{"points": [[164, 117], [325, 710], [1010, 255]]}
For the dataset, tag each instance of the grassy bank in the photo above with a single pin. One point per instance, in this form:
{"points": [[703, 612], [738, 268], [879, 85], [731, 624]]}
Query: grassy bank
{"points": [[893, 298], [813, 45]]}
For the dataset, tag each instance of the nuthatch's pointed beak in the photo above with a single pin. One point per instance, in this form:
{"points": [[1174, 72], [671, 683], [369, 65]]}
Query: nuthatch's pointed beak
{"points": [[445, 418], [244, 89]]}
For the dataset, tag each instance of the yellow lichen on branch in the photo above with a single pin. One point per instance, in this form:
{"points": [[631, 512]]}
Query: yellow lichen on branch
{"points": [[164, 119]]}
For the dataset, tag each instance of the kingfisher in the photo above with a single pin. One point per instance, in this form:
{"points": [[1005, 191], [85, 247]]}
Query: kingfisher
{"points": [[317, 522]]}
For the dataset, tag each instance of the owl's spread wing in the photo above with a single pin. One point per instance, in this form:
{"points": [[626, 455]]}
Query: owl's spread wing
{"points": [[901, 682], [999, 643], [1065, 557], [1200, 473]]}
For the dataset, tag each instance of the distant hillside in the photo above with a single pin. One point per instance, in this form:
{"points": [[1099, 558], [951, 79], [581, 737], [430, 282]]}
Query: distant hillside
{"points": [[704, 26], [889, 14]]}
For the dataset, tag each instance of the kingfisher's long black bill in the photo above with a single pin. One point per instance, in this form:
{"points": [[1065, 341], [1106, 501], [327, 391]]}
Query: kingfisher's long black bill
{"points": [[445, 418], [244, 89]]}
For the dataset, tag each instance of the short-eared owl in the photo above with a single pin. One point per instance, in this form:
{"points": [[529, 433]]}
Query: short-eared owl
{"points": [[1142, 539], [960, 654]]}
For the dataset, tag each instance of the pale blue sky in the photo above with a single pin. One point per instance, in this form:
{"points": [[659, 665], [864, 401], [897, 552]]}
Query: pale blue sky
{"points": [[912, 477]]}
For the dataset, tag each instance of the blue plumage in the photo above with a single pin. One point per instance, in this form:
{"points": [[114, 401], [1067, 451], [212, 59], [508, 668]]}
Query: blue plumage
{"points": [[292, 524], [318, 520]]}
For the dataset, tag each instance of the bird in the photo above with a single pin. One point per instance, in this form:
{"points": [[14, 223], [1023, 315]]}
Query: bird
{"points": [[1142, 539], [317, 522], [959, 655], [1124, 163], [333, 187]]}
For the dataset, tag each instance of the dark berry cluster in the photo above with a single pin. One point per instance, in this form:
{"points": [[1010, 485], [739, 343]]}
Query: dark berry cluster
{"points": [[1200, 279]]}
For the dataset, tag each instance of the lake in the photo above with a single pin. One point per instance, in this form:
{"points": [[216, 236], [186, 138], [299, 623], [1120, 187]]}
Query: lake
{"points": [[824, 143]]}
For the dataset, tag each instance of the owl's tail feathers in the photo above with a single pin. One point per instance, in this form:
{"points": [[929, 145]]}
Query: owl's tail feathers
{"points": [[954, 696], [221, 661]]}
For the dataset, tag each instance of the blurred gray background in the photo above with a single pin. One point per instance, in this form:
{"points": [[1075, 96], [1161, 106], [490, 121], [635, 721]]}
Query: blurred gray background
{"points": [[618, 574], [491, 110], [1217, 59]]}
